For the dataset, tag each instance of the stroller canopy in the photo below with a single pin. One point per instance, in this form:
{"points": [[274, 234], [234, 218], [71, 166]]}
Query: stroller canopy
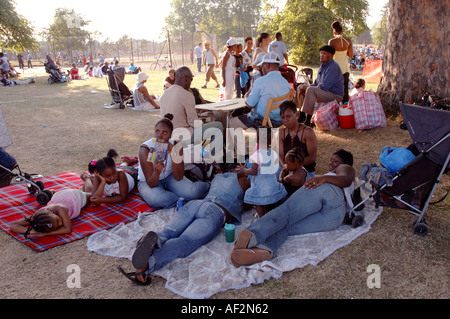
{"points": [[428, 127]]}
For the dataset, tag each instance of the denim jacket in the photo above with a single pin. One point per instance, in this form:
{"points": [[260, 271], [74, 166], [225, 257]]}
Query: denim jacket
{"points": [[226, 191]]}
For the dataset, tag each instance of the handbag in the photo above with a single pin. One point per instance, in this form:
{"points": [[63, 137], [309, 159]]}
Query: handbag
{"points": [[326, 117], [394, 159]]}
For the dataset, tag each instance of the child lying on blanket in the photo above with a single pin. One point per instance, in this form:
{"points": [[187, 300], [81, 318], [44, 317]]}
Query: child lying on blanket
{"points": [[55, 218], [114, 183]]}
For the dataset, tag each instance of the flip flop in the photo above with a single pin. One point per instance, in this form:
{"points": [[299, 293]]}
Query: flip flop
{"points": [[144, 250], [132, 276]]}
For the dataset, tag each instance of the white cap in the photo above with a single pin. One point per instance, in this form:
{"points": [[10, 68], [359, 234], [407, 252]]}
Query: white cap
{"points": [[231, 42], [141, 77], [270, 57]]}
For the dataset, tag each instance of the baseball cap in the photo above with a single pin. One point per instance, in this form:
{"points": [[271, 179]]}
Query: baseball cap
{"points": [[231, 42]]}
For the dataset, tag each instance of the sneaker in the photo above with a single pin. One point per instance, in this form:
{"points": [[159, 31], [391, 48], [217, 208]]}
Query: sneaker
{"points": [[245, 257], [204, 86]]}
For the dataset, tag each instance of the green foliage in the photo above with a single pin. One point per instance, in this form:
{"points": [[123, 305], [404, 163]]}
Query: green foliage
{"points": [[16, 32], [380, 30], [66, 33], [225, 18], [306, 24]]}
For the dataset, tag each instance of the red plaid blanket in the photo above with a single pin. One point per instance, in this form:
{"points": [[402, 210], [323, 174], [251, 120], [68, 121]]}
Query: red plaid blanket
{"points": [[16, 203]]}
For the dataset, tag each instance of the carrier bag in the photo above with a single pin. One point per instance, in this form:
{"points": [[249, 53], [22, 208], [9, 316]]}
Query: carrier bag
{"points": [[395, 158], [326, 117], [368, 110]]}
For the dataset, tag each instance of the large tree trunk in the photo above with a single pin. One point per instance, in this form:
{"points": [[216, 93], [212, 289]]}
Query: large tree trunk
{"points": [[417, 52]]}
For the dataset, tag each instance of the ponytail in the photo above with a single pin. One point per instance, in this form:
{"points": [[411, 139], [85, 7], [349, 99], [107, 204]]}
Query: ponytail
{"points": [[103, 163]]}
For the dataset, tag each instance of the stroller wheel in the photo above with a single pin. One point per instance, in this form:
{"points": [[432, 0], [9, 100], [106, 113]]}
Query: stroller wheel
{"points": [[31, 189], [420, 229], [42, 198], [357, 221], [50, 81], [40, 184]]}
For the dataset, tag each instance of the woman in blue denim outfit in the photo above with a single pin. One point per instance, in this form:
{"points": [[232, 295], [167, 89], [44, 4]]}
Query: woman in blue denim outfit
{"points": [[195, 224], [161, 179], [320, 205]]}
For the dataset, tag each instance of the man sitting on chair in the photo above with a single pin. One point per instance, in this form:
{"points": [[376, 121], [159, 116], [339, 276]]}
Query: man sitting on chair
{"points": [[328, 86], [271, 85]]}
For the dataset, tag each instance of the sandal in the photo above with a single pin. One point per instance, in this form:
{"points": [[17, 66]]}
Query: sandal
{"points": [[132, 277], [144, 249]]}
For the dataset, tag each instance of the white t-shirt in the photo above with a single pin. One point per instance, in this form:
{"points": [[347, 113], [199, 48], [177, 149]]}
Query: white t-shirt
{"points": [[155, 149], [279, 48]]}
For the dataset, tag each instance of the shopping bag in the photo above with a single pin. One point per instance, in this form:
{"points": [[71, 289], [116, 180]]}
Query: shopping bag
{"points": [[326, 117], [367, 110]]}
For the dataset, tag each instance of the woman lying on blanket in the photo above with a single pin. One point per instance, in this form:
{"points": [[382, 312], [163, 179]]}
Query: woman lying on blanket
{"points": [[114, 183], [55, 218], [320, 205], [197, 222], [161, 178]]}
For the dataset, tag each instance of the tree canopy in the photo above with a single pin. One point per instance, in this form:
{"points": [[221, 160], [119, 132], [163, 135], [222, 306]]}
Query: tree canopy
{"points": [[306, 24], [66, 32], [225, 18], [16, 32]]}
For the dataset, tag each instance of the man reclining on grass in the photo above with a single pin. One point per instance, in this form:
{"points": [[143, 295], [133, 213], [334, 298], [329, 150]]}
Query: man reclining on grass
{"points": [[5, 82], [194, 225]]}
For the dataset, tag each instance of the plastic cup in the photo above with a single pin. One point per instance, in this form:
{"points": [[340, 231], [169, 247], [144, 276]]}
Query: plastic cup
{"points": [[229, 232]]}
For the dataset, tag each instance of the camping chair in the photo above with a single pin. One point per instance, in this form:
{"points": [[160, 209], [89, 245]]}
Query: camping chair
{"points": [[274, 103]]}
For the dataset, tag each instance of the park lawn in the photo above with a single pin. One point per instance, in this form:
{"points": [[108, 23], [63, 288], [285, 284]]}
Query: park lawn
{"points": [[62, 127]]}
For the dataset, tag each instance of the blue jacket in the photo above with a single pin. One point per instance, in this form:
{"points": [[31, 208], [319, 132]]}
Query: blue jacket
{"points": [[330, 78]]}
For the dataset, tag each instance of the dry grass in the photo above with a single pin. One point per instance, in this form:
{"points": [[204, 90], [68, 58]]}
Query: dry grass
{"points": [[61, 127]]}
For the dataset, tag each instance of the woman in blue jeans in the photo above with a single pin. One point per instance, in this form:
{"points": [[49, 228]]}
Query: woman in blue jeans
{"points": [[161, 178], [320, 205], [194, 225]]}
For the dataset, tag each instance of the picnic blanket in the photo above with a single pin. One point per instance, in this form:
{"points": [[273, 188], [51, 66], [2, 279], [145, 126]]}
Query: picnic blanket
{"points": [[16, 202], [208, 270]]}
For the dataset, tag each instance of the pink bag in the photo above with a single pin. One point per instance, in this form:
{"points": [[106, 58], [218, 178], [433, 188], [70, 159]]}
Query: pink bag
{"points": [[326, 117], [367, 110]]}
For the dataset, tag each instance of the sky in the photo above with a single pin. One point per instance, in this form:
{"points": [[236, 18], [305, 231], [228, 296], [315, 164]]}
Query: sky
{"points": [[139, 19]]}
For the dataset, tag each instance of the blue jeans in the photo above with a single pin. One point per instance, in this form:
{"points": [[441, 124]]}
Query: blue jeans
{"points": [[194, 225], [166, 194], [306, 211], [199, 64]]}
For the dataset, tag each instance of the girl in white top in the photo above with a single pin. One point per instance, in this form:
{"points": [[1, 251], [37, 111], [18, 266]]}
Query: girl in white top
{"points": [[228, 70], [161, 170], [114, 183], [142, 99]]}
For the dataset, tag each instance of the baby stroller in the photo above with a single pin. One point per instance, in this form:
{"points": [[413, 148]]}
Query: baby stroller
{"points": [[56, 75], [120, 93], [289, 73], [412, 187], [304, 76], [8, 165]]}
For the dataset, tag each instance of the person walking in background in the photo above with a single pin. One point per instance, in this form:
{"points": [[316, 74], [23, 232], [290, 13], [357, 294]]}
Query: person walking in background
{"points": [[198, 56], [229, 69], [344, 50], [279, 47], [29, 60], [210, 61]]}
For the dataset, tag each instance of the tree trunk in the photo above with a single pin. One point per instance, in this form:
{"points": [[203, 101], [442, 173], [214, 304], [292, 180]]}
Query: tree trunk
{"points": [[417, 52]]}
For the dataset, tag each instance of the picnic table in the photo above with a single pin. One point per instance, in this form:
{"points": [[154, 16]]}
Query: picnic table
{"points": [[227, 106]]}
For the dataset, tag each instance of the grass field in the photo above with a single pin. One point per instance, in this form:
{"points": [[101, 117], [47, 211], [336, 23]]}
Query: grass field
{"points": [[61, 127]]}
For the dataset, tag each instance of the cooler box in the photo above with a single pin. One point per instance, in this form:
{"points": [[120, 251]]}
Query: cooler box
{"points": [[346, 117]]}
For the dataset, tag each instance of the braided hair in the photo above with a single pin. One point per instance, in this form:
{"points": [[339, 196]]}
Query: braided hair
{"points": [[103, 163], [40, 222], [296, 154]]}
